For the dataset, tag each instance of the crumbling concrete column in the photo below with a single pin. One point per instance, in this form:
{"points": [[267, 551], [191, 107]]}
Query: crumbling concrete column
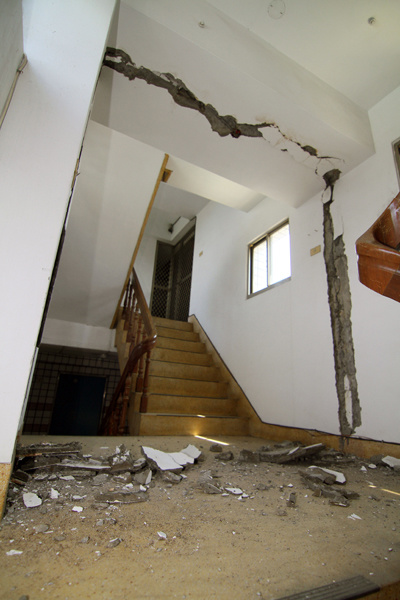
{"points": [[339, 298]]}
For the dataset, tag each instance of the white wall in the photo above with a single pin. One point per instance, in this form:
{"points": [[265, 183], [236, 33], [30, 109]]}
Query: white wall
{"points": [[39, 145], [279, 344], [11, 45], [77, 335], [112, 194]]}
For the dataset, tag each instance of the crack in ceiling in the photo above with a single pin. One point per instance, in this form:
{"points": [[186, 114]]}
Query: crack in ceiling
{"points": [[224, 125]]}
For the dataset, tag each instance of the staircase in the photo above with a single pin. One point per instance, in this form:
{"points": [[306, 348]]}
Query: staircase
{"points": [[186, 393]]}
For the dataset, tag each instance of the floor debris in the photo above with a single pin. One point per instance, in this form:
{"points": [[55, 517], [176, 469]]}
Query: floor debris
{"points": [[59, 481]]}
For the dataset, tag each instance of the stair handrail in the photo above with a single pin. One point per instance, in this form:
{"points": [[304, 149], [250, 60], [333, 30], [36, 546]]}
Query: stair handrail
{"points": [[142, 335]]}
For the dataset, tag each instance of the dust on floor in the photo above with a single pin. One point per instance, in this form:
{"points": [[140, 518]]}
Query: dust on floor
{"points": [[275, 536]]}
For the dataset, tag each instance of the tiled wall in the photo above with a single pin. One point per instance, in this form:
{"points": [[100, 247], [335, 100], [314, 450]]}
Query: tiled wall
{"points": [[53, 361]]}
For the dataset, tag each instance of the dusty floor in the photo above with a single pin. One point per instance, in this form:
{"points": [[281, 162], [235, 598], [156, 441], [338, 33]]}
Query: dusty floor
{"points": [[216, 546]]}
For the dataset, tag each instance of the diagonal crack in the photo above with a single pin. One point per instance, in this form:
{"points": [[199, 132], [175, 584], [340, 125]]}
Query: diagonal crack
{"points": [[224, 125]]}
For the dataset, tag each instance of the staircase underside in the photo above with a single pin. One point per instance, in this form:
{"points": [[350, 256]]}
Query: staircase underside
{"points": [[186, 395]]}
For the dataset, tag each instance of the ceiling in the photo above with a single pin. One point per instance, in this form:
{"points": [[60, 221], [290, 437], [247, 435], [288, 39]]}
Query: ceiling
{"points": [[311, 68], [332, 39]]}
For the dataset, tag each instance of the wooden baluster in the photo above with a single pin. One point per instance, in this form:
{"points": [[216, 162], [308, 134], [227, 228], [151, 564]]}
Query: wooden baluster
{"points": [[127, 301], [139, 380], [130, 334], [124, 406], [144, 399]]}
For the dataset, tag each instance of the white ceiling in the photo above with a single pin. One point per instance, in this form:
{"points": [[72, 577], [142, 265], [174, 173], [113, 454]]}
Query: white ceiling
{"points": [[332, 39]]}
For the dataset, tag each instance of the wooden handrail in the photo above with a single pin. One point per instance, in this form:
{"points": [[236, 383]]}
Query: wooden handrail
{"points": [[141, 334], [379, 255]]}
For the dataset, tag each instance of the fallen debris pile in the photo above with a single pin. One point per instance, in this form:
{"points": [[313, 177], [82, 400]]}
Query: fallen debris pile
{"points": [[59, 475]]}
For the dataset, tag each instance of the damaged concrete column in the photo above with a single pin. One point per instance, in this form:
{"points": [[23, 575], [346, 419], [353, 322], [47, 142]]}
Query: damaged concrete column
{"points": [[339, 298]]}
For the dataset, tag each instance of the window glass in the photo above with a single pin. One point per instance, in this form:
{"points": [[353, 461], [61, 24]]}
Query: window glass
{"points": [[279, 266], [269, 259], [259, 266]]}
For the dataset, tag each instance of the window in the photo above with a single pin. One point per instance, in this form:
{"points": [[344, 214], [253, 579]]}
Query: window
{"points": [[269, 259]]}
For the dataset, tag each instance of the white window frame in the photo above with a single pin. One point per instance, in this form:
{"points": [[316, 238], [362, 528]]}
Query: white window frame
{"points": [[265, 237]]}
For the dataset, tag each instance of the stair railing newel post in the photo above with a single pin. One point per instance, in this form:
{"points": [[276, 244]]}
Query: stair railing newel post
{"points": [[141, 335]]}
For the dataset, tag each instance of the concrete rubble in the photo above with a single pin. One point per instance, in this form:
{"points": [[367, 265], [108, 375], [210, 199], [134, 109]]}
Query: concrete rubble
{"points": [[58, 476]]}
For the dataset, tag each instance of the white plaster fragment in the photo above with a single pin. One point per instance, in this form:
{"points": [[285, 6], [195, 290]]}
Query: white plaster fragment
{"points": [[163, 461], [54, 494], [162, 535], [31, 500], [192, 451], [14, 552], [182, 459], [77, 509], [354, 517], [234, 490], [340, 477], [391, 461]]}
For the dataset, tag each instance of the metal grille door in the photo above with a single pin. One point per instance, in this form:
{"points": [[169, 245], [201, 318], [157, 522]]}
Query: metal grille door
{"points": [[162, 286], [173, 279]]}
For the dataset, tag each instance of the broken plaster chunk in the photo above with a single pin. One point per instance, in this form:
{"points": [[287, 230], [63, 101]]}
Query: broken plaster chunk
{"points": [[182, 459], [354, 517], [392, 462], [113, 543], [144, 477], [162, 535], [339, 477], [171, 477], [77, 509], [100, 479], [161, 460], [234, 490], [192, 451], [14, 552], [54, 494], [31, 500]]}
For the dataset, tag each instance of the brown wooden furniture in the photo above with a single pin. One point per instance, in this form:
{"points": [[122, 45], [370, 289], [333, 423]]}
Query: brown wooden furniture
{"points": [[378, 252]]}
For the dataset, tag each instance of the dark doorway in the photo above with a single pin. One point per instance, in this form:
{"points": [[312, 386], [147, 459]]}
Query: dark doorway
{"points": [[173, 279], [77, 406]]}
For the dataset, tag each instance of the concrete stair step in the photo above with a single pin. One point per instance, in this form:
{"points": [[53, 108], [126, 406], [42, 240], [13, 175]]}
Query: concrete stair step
{"points": [[183, 345], [185, 387], [182, 371], [177, 334], [170, 324], [159, 403], [180, 356], [162, 424]]}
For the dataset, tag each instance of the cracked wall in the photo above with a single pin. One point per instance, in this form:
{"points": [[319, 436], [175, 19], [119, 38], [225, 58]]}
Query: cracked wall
{"points": [[339, 298]]}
